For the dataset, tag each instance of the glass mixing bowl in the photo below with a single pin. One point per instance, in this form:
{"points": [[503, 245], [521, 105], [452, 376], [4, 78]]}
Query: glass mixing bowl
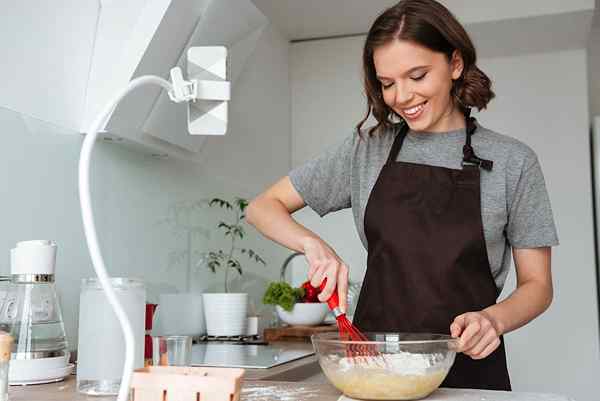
{"points": [[397, 366]]}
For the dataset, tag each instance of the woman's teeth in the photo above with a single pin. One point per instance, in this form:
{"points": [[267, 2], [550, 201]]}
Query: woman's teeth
{"points": [[414, 111]]}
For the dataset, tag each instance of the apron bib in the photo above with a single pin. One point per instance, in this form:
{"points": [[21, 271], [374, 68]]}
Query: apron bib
{"points": [[427, 259]]}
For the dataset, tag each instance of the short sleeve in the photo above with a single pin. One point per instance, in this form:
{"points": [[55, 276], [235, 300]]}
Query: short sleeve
{"points": [[324, 182], [530, 219]]}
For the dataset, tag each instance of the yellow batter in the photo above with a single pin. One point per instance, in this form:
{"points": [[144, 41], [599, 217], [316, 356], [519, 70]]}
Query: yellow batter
{"points": [[381, 384]]}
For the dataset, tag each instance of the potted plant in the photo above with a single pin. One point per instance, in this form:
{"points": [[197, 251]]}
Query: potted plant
{"points": [[296, 306], [226, 313]]}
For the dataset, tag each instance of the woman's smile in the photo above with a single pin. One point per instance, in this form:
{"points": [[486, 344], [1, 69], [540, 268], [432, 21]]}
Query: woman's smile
{"points": [[414, 112]]}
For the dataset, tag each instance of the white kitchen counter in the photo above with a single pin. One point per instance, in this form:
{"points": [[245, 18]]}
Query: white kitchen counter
{"points": [[277, 391], [294, 381]]}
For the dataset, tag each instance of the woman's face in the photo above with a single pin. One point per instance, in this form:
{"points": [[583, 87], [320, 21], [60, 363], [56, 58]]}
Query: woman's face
{"points": [[416, 83]]}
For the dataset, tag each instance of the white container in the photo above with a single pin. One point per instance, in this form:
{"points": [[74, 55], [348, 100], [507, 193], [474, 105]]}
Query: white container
{"points": [[101, 350], [226, 314], [252, 326], [303, 314], [179, 314]]}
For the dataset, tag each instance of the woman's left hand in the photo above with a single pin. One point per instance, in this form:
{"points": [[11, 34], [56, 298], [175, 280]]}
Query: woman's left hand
{"points": [[477, 334]]}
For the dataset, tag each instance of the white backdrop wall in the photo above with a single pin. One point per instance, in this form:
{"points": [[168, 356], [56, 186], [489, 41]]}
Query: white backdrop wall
{"points": [[542, 99], [133, 193], [594, 63]]}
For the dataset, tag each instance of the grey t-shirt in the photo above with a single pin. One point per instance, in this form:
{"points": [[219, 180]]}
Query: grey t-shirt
{"points": [[514, 202]]}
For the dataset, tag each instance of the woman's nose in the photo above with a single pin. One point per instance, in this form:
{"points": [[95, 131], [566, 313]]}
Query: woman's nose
{"points": [[402, 96]]}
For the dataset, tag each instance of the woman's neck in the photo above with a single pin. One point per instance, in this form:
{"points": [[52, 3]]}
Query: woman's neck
{"points": [[452, 120]]}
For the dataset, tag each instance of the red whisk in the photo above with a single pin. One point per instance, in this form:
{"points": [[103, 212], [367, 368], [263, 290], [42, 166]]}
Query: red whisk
{"points": [[348, 331]]}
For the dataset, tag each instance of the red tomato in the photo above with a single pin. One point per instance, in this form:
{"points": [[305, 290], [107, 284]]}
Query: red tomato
{"points": [[310, 293]]}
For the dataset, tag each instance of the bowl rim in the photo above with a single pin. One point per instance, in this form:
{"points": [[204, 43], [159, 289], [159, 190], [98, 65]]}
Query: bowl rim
{"points": [[330, 338]]}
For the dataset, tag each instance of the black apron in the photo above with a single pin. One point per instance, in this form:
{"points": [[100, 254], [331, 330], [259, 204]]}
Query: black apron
{"points": [[427, 259]]}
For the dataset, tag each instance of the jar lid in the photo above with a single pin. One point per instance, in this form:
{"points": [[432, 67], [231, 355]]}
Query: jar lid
{"points": [[5, 346]]}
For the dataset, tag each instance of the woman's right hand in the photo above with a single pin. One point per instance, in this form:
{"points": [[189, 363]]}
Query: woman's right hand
{"points": [[271, 214], [324, 263]]}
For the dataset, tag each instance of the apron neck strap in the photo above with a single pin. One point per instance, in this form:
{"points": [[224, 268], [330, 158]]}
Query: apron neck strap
{"points": [[397, 142], [469, 156]]}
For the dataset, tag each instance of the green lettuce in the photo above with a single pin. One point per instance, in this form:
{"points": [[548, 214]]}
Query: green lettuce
{"points": [[282, 294]]}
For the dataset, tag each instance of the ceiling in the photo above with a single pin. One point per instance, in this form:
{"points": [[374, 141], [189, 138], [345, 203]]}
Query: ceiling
{"points": [[310, 19]]}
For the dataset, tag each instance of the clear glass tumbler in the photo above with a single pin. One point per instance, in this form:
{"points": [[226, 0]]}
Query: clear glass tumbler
{"points": [[101, 349], [172, 350]]}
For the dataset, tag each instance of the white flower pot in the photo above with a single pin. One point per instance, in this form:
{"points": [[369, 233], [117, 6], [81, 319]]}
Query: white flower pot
{"points": [[303, 314], [180, 314], [226, 314]]}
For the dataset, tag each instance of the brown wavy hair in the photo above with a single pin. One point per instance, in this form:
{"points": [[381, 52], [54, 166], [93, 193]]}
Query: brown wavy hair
{"points": [[429, 24]]}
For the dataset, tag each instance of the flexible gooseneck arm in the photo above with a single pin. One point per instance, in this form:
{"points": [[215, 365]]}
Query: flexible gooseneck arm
{"points": [[90, 227]]}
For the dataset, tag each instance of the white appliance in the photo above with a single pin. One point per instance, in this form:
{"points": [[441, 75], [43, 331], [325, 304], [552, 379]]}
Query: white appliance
{"points": [[31, 313], [249, 356]]}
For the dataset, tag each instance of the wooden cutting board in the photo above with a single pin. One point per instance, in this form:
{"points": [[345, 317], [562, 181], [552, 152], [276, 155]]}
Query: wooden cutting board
{"points": [[296, 333]]}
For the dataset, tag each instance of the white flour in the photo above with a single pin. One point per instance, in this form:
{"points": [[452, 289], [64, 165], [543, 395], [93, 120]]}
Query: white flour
{"points": [[401, 363]]}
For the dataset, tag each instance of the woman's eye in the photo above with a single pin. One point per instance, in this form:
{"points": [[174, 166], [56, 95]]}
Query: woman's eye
{"points": [[386, 86], [420, 77]]}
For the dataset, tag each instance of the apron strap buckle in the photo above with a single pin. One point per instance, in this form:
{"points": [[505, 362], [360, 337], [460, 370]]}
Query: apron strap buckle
{"points": [[471, 159]]}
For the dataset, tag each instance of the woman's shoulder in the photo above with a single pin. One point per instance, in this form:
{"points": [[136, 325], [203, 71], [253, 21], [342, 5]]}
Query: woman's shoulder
{"points": [[372, 148], [367, 138], [504, 147]]}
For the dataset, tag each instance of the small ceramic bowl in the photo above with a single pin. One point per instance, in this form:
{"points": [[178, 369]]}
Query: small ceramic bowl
{"points": [[303, 314]]}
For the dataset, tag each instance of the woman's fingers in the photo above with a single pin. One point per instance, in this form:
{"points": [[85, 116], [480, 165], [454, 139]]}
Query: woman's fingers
{"points": [[318, 275], [331, 275], [325, 264], [491, 347]]}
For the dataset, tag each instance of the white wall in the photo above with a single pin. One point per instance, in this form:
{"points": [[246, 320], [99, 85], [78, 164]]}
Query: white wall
{"points": [[594, 63], [542, 100], [133, 192]]}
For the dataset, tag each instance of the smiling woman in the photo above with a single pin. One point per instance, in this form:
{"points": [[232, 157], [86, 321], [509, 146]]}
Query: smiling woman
{"points": [[418, 61], [440, 202]]}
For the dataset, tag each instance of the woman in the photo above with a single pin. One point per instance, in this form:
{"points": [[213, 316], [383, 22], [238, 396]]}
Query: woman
{"points": [[439, 201]]}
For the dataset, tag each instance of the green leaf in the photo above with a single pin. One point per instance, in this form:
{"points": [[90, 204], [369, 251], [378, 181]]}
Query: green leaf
{"points": [[213, 265], [238, 231], [222, 224], [221, 203], [253, 256], [235, 264], [282, 294], [241, 203]]}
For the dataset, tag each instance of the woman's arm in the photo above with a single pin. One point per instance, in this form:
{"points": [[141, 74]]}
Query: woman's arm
{"points": [[270, 213], [479, 331], [533, 294]]}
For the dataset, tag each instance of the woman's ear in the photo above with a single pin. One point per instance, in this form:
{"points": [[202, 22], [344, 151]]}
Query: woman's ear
{"points": [[457, 65]]}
